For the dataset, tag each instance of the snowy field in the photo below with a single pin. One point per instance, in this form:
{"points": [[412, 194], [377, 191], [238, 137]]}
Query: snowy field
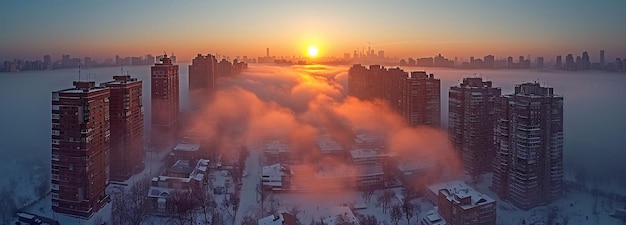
{"points": [[575, 207]]}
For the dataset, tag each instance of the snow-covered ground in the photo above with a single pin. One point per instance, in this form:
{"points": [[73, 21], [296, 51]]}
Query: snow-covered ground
{"points": [[43, 207], [574, 206], [316, 206]]}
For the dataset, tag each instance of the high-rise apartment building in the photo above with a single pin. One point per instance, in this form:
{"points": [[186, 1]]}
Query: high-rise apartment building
{"points": [[80, 149], [416, 97], [202, 76], [364, 83], [528, 165], [539, 62], [165, 103], [471, 122], [225, 68], [586, 63], [602, 58], [421, 100], [126, 113]]}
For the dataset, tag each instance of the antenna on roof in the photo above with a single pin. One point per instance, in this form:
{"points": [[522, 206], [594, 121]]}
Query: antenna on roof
{"points": [[122, 69], [79, 70]]}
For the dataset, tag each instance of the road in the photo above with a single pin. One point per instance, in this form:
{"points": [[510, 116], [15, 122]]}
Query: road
{"points": [[248, 202]]}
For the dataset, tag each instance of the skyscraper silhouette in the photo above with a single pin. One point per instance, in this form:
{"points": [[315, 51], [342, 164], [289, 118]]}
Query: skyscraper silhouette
{"points": [[202, 76], [602, 58]]}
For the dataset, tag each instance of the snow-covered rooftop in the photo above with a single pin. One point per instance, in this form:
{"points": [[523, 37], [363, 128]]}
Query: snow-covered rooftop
{"points": [[327, 144], [409, 166], [272, 220], [349, 171], [341, 215], [276, 146], [455, 190], [432, 217], [186, 147], [272, 175], [364, 153], [183, 167], [77, 90]]}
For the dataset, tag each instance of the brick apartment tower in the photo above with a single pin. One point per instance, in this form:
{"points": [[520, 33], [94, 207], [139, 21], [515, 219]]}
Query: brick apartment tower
{"points": [[471, 122], [80, 149], [421, 100], [202, 76], [366, 84], [528, 165], [164, 102], [126, 110], [416, 97]]}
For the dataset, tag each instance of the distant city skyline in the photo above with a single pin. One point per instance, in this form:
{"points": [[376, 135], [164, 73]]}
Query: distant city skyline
{"points": [[234, 28]]}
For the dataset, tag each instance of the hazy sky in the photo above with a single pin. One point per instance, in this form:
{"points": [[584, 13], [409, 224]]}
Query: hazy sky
{"points": [[31, 29]]}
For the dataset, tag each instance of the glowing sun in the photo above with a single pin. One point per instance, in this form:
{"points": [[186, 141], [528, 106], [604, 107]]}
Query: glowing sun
{"points": [[313, 50]]}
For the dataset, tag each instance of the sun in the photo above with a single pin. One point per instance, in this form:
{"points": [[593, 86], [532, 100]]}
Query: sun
{"points": [[313, 50]]}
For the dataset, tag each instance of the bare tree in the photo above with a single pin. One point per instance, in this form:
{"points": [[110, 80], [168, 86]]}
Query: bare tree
{"points": [[206, 202], [262, 194], [217, 218], [181, 206], [131, 207], [396, 213], [384, 198], [228, 205], [248, 220], [7, 205], [408, 208], [294, 211], [370, 220], [417, 210], [367, 194], [42, 187], [273, 204]]}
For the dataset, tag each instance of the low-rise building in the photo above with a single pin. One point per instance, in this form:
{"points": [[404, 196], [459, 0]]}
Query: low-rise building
{"points": [[359, 176], [458, 203], [367, 156], [328, 146], [183, 176], [341, 216], [187, 151], [276, 151], [432, 217], [278, 219], [413, 171], [364, 139], [276, 177]]}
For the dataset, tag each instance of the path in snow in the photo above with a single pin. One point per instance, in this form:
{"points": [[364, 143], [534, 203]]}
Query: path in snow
{"points": [[248, 198]]}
